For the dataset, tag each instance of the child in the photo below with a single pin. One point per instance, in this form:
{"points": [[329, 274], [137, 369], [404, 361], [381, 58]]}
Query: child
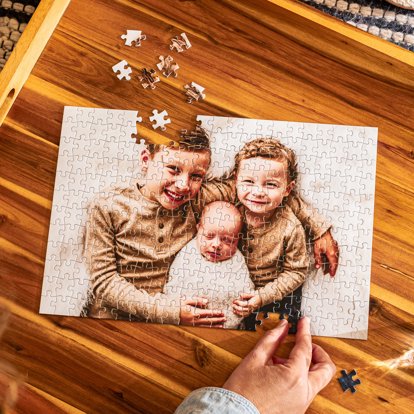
{"points": [[211, 265], [133, 234], [274, 244]]}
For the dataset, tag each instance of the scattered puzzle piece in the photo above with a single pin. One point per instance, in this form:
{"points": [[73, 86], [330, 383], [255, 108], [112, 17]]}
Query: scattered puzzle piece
{"points": [[148, 78], [123, 69], [132, 36], [347, 382], [167, 66], [179, 44], [158, 119], [194, 92]]}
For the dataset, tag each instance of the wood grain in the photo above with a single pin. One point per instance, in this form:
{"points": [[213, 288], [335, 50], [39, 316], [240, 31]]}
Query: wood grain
{"points": [[257, 59]]}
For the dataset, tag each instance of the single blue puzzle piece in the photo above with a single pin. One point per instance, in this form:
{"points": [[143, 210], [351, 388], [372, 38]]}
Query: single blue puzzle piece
{"points": [[347, 382]]}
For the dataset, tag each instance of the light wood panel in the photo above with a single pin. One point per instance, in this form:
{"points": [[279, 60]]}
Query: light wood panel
{"points": [[258, 59]]}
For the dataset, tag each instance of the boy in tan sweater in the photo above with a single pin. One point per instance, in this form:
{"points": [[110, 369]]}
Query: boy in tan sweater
{"points": [[134, 233]]}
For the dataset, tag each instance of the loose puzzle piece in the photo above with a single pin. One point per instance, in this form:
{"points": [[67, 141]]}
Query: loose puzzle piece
{"points": [[160, 119], [167, 66], [194, 92], [347, 382], [180, 44], [123, 69], [132, 36], [148, 78]]}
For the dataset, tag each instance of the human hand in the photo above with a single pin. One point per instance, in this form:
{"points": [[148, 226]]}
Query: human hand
{"points": [[278, 385], [193, 313], [246, 304], [326, 253]]}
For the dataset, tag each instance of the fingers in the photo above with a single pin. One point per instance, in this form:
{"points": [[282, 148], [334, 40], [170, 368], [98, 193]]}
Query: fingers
{"points": [[332, 254], [242, 310], [322, 371], [301, 354], [317, 253], [198, 302], [246, 296], [208, 317], [268, 344], [209, 321]]}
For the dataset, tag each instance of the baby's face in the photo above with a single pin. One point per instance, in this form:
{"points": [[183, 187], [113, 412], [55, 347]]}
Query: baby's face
{"points": [[262, 184], [217, 239]]}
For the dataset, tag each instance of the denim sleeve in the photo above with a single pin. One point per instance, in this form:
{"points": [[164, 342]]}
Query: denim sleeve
{"points": [[215, 400]]}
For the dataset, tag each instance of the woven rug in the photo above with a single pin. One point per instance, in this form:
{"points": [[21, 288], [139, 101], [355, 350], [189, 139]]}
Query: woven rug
{"points": [[14, 16], [373, 16]]}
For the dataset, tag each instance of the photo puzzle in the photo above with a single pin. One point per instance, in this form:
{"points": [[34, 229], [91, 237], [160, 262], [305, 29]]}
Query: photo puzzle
{"points": [[219, 229]]}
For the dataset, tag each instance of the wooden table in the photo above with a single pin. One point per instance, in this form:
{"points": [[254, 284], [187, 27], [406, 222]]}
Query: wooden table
{"points": [[256, 59]]}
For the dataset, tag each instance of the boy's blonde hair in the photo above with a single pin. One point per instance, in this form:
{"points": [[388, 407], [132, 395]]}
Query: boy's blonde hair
{"points": [[193, 141], [268, 148]]}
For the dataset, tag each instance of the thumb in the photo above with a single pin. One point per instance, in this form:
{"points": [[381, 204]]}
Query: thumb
{"points": [[245, 296], [268, 344]]}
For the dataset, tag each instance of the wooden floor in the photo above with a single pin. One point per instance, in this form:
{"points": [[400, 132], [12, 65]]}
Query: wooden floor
{"points": [[256, 59]]}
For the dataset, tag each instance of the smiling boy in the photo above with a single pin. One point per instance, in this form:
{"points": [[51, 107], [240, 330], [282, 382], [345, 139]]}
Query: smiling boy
{"points": [[134, 233]]}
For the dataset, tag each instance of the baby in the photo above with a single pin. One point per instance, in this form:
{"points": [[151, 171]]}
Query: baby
{"points": [[211, 265]]}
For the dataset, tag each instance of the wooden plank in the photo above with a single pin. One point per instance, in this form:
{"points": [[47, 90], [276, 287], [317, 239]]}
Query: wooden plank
{"points": [[27, 51]]}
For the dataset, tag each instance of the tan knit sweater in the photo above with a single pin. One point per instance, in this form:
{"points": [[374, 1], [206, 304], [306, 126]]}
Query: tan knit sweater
{"points": [[131, 241], [276, 255]]}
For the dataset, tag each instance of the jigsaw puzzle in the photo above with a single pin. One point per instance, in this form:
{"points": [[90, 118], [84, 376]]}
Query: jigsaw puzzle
{"points": [[148, 78], [123, 70], [194, 92], [180, 43], [214, 231], [133, 36], [159, 119]]}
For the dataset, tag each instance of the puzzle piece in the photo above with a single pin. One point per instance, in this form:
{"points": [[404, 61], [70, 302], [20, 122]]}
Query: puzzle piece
{"points": [[167, 66], [123, 69], [148, 78], [159, 119], [133, 36], [180, 44], [347, 382], [194, 92]]}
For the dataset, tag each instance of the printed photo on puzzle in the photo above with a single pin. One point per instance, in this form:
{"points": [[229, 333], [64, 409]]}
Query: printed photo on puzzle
{"points": [[238, 221]]}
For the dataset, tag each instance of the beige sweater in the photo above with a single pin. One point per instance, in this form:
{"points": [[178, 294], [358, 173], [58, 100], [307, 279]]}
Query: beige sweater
{"points": [[130, 243], [276, 255]]}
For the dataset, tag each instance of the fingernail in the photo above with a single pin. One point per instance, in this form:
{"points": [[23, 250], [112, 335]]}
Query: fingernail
{"points": [[283, 322]]}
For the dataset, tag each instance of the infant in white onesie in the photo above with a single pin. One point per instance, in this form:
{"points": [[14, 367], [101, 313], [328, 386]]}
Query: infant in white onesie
{"points": [[211, 265]]}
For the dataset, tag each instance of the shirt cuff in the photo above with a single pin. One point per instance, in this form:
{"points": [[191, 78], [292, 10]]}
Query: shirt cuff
{"points": [[215, 400], [321, 231]]}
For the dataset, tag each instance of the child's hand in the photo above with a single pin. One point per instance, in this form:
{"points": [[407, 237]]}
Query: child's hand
{"points": [[326, 252], [193, 313], [246, 304]]}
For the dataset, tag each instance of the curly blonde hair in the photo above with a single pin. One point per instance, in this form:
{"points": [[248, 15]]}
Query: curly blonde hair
{"points": [[268, 148]]}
